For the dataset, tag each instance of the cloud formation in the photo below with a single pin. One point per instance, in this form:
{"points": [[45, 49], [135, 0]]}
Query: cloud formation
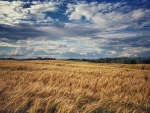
{"points": [[16, 12], [74, 29], [110, 16]]}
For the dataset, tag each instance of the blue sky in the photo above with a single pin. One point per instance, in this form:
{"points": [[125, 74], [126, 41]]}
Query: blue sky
{"points": [[74, 28]]}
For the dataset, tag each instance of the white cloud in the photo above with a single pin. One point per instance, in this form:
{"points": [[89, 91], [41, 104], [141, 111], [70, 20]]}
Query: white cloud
{"points": [[109, 16], [84, 9], [49, 19], [83, 53], [72, 50], [137, 14], [13, 12], [40, 7], [118, 35], [133, 51]]}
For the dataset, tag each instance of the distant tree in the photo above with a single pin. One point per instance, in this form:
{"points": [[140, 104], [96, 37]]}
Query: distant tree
{"points": [[123, 60], [133, 61], [38, 58]]}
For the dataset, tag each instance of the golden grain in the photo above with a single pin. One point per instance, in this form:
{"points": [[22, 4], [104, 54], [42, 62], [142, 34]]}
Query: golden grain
{"points": [[73, 87]]}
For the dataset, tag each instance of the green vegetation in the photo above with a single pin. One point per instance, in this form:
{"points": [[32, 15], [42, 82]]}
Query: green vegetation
{"points": [[123, 60]]}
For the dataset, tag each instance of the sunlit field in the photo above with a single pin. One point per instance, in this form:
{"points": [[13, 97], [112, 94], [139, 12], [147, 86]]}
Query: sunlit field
{"points": [[73, 87]]}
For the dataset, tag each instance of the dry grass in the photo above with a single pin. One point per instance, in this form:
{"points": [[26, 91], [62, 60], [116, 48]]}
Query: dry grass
{"points": [[73, 87]]}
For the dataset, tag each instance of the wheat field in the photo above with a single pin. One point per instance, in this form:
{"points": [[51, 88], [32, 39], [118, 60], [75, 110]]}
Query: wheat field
{"points": [[73, 87]]}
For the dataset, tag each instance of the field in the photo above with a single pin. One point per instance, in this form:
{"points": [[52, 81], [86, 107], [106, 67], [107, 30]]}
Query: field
{"points": [[73, 87]]}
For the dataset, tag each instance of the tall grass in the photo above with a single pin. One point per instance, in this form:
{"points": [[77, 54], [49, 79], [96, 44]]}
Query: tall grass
{"points": [[72, 87]]}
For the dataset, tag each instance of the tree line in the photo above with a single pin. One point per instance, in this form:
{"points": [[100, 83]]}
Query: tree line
{"points": [[123, 60], [38, 58]]}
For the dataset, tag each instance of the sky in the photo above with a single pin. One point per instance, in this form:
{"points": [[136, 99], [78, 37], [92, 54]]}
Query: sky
{"points": [[82, 29]]}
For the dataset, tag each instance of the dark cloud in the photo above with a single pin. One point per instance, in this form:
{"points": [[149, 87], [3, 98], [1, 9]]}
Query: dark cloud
{"points": [[62, 46], [140, 41], [143, 54], [52, 31], [138, 45], [133, 41], [83, 31], [19, 32], [96, 38]]}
